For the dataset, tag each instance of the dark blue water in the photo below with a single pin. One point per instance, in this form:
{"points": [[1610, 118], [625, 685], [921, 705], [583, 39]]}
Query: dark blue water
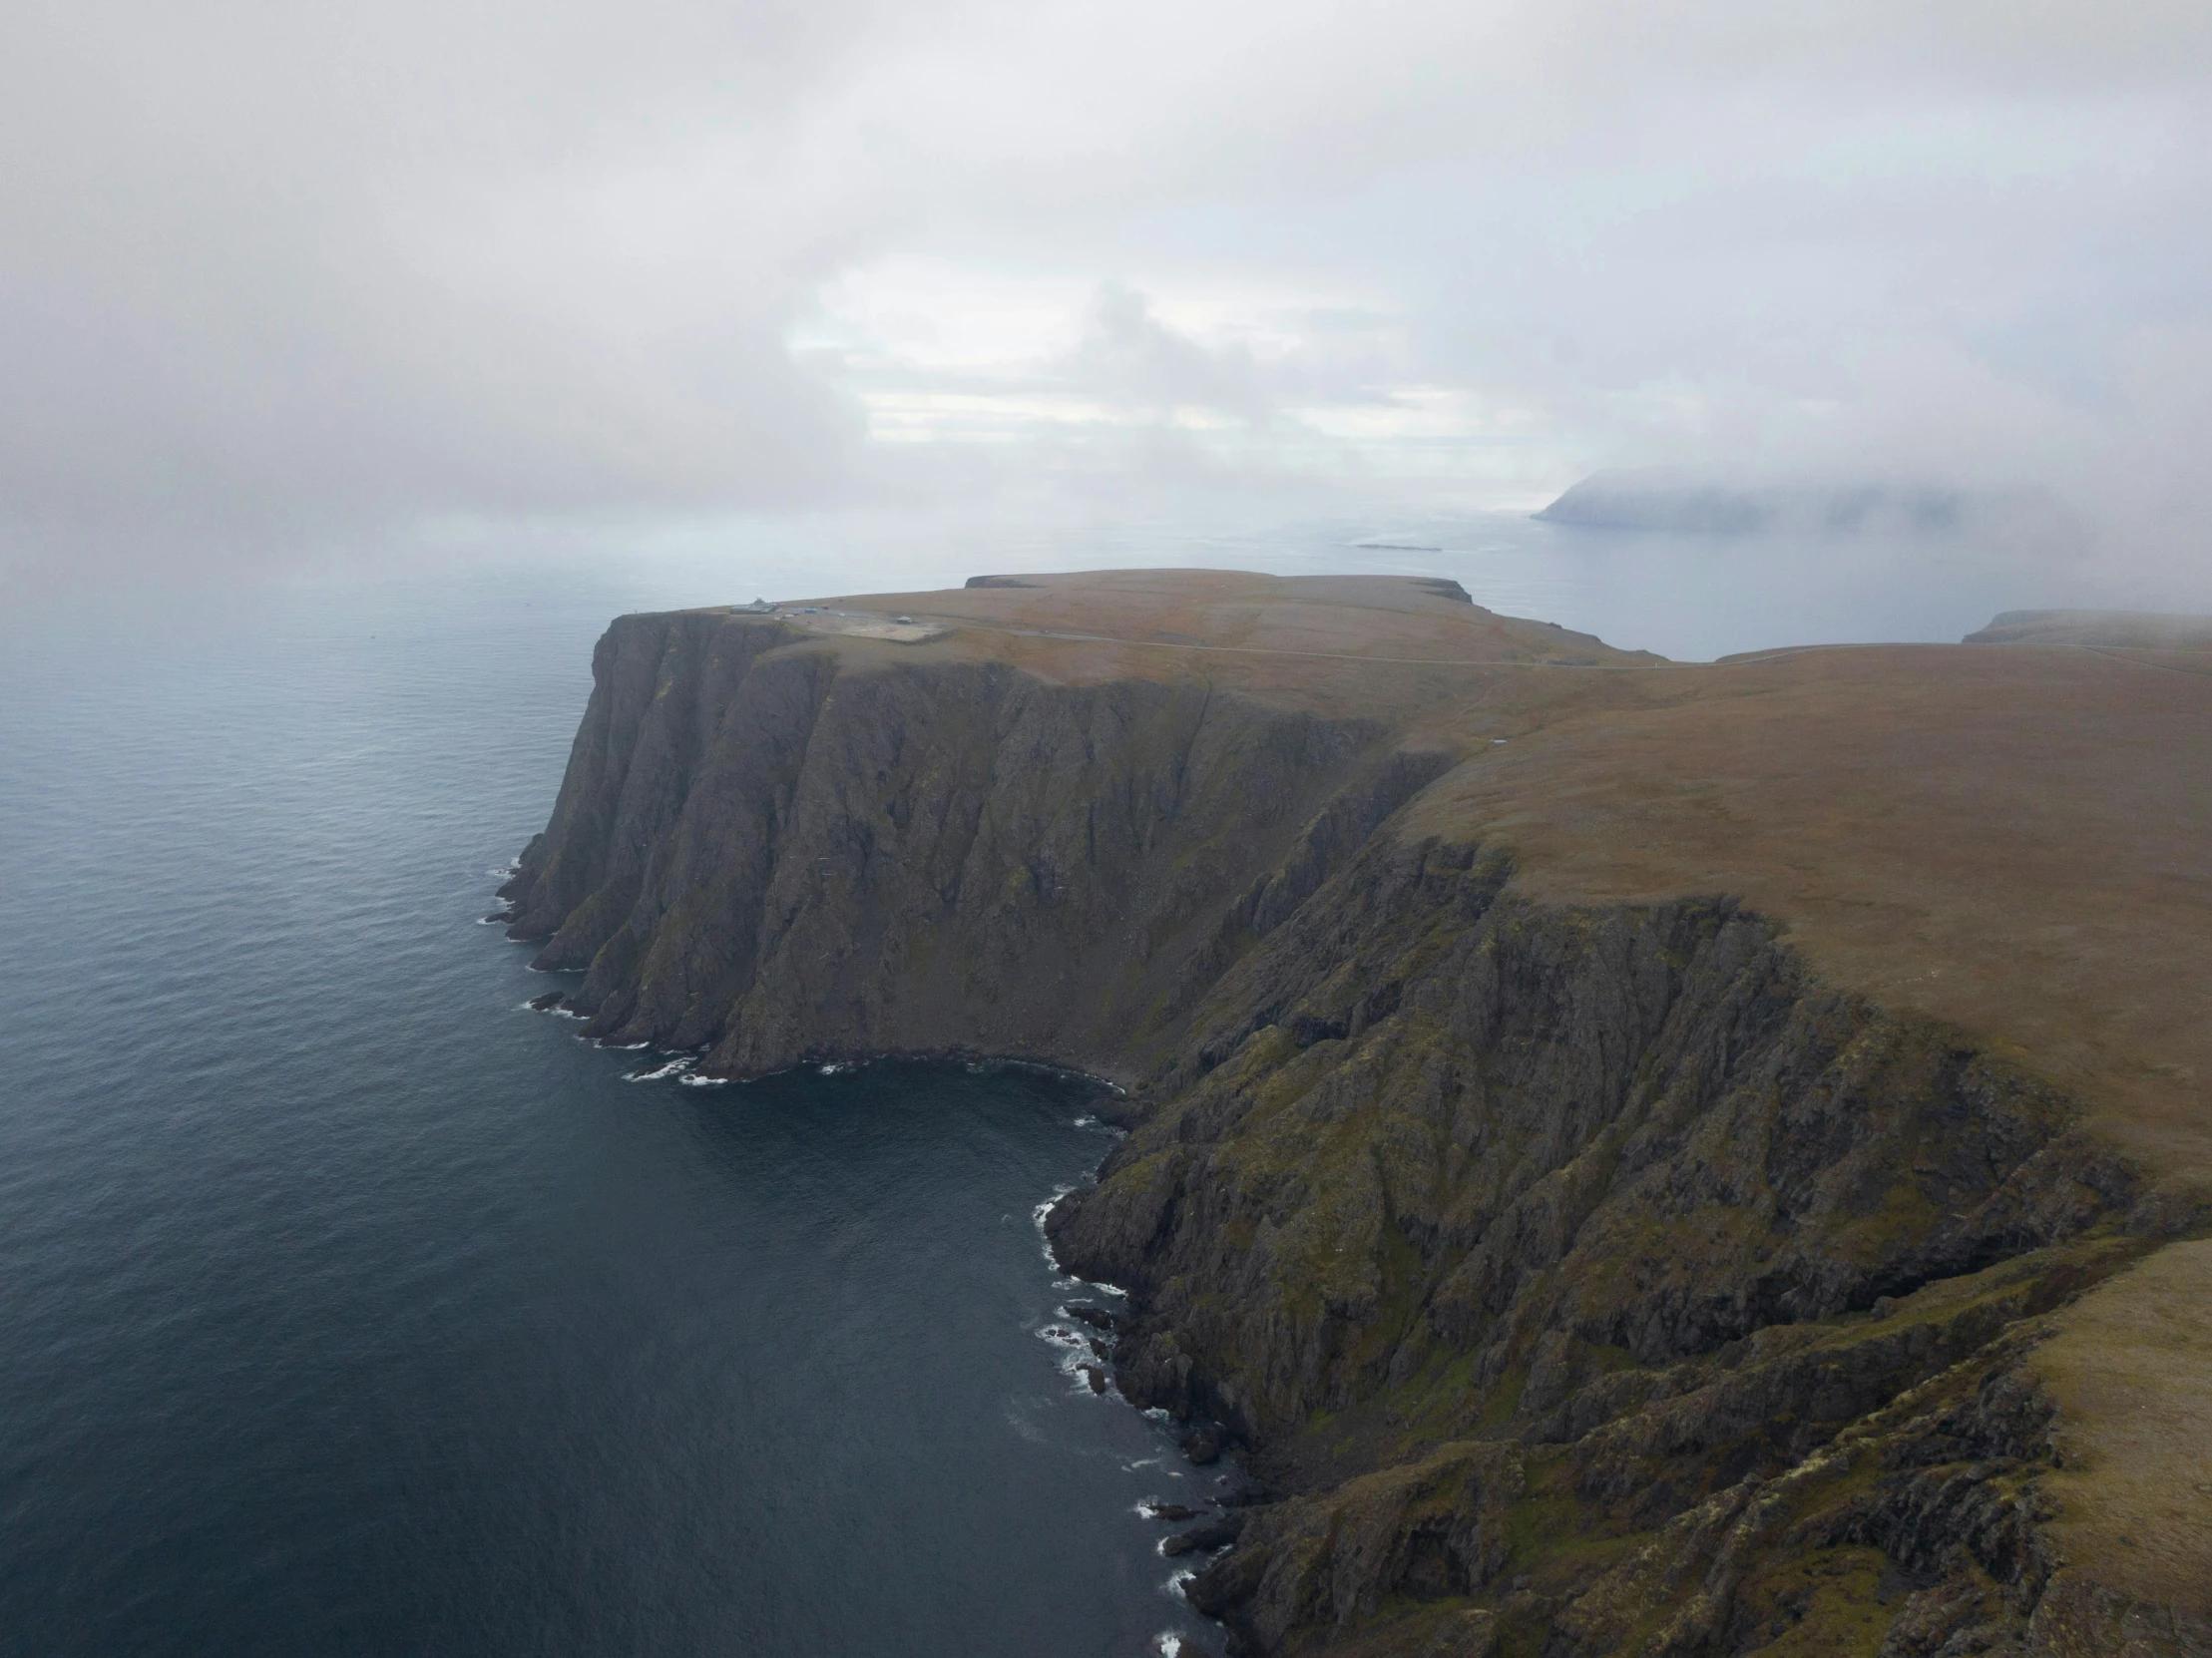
{"points": [[350, 1306]]}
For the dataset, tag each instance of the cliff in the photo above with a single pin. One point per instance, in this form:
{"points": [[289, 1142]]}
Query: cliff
{"points": [[771, 852], [1640, 1158]]}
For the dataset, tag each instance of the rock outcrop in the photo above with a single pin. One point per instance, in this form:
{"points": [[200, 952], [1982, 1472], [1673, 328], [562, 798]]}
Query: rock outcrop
{"points": [[1576, 1278]]}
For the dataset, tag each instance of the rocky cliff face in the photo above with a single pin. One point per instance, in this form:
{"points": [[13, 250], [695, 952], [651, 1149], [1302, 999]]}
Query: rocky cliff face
{"points": [[1579, 1280], [1595, 1281], [766, 848]]}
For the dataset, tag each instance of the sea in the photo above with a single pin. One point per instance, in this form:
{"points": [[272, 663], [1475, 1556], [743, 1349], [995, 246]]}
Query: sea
{"points": [[348, 1306]]}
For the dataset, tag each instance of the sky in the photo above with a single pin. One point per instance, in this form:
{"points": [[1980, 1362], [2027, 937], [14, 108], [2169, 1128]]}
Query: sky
{"points": [[277, 279]]}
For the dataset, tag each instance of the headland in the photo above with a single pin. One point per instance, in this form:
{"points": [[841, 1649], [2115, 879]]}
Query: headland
{"points": [[1638, 1156]]}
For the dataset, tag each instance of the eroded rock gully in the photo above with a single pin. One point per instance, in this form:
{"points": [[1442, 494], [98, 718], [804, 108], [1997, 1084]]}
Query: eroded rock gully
{"points": [[1577, 1280]]}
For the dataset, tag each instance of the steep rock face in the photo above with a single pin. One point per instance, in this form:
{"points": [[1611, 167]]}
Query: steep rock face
{"points": [[1585, 1225], [1581, 1280], [1423, 1115], [1912, 1529], [765, 849]]}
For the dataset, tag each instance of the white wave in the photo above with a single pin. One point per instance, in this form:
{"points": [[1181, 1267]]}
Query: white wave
{"points": [[1039, 1211], [692, 1080], [1168, 1644], [1176, 1579], [675, 1068], [1039, 1215], [1089, 1286]]}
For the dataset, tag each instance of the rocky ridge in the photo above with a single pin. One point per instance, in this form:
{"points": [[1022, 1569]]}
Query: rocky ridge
{"points": [[1577, 1278]]}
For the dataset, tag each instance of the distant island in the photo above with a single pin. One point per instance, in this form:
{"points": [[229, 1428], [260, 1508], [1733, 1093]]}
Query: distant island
{"points": [[1688, 505], [1637, 1157], [1398, 544]]}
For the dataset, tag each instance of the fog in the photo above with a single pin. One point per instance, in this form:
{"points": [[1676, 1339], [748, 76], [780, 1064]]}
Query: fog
{"points": [[282, 285]]}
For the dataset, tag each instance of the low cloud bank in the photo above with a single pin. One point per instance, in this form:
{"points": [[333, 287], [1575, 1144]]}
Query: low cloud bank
{"points": [[276, 289]]}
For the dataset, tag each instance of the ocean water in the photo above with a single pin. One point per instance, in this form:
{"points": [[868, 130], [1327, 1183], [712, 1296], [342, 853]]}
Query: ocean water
{"points": [[350, 1306]]}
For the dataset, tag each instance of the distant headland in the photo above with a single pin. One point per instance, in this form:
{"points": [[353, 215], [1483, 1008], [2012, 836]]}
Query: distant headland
{"points": [[1689, 503]]}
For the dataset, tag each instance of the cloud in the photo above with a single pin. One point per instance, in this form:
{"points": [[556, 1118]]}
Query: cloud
{"points": [[269, 274], [1130, 356]]}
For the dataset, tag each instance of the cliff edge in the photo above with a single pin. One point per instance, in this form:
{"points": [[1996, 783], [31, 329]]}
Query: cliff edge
{"points": [[1641, 1157]]}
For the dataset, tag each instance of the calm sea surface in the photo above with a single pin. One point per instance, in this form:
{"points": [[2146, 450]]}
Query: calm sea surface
{"points": [[345, 1306]]}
